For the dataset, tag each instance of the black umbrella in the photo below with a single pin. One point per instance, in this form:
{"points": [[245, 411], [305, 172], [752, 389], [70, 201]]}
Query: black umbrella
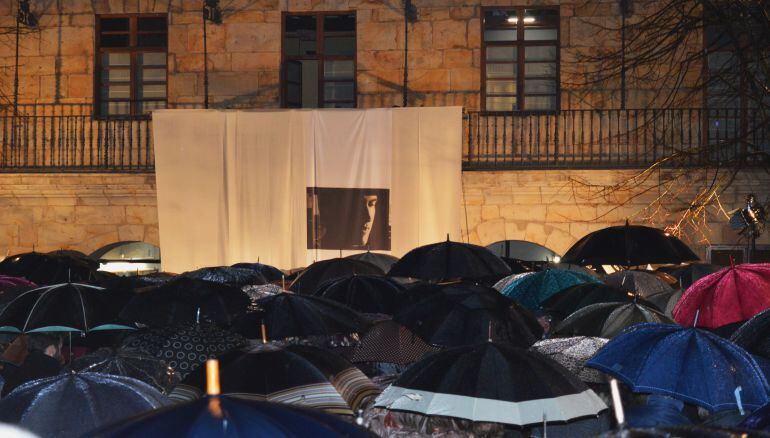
{"points": [[364, 293], [187, 346], [754, 335], [628, 245], [288, 315], [186, 300], [129, 363], [231, 276], [450, 261], [463, 313], [492, 382], [42, 268], [522, 250], [71, 404], [320, 272], [67, 307], [690, 273], [576, 297], [641, 283], [382, 261], [389, 342], [270, 273], [607, 320]]}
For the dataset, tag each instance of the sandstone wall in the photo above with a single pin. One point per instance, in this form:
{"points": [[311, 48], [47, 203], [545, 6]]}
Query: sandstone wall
{"points": [[244, 53]]}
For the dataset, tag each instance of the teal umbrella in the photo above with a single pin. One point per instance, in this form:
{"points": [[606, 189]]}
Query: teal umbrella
{"points": [[532, 290]]}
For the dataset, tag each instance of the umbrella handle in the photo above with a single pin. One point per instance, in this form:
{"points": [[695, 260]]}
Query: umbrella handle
{"points": [[617, 404], [738, 399], [212, 377]]}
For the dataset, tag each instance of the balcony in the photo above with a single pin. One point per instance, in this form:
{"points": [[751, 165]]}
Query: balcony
{"points": [[68, 138]]}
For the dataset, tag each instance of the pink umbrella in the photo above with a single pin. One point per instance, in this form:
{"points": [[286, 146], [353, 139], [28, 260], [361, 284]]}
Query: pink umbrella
{"points": [[8, 282], [727, 296]]}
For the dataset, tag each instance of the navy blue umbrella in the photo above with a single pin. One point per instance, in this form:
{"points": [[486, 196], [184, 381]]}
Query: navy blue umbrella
{"points": [[223, 416], [687, 363]]}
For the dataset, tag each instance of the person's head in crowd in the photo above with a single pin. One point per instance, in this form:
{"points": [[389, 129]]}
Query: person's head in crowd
{"points": [[50, 345]]}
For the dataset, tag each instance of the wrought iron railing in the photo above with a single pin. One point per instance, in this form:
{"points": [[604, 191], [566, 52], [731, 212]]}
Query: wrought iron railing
{"points": [[613, 138]]}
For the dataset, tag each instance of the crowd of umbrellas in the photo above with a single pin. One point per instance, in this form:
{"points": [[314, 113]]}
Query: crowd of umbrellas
{"points": [[452, 339]]}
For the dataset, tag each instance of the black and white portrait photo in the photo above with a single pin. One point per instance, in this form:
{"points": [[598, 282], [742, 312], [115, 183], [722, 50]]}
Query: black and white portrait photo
{"points": [[343, 218]]}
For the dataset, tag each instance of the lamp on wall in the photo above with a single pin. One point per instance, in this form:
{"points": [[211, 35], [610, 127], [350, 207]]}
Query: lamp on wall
{"points": [[410, 16], [213, 13]]}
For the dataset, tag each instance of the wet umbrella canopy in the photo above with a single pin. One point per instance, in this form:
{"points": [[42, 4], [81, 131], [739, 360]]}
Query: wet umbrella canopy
{"points": [[450, 261], [382, 261], [270, 273], [629, 245], [71, 404], [50, 268], [491, 382], [573, 353], [690, 273], [320, 272], [129, 363], [642, 283], [576, 297], [607, 320], [390, 342], [754, 335], [685, 363], [231, 276], [532, 290], [364, 293]]}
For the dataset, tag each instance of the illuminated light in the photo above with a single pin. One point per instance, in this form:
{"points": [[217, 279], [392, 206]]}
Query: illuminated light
{"points": [[127, 267], [514, 20], [529, 20], [557, 259]]}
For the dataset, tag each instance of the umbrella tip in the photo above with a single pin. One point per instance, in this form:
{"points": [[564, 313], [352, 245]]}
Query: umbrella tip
{"points": [[212, 377], [732, 262], [626, 221], [264, 333], [447, 237], [617, 404]]}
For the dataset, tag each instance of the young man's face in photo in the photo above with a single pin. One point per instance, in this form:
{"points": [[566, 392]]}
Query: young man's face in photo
{"points": [[370, 204]]}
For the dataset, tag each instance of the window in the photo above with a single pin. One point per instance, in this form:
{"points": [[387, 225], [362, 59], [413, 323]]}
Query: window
{"points": [[521, 59], [130, 64], [319, 60]]}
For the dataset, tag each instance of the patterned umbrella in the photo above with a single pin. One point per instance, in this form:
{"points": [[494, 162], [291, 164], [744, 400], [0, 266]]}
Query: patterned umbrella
{"points": [[728, 296], [187, 346], [72, 404], [506, 281], [572, 353], [532, 290], [686, 363], [607, 320], [390, 342], [129, 363], [642, 283], [447, 261]]}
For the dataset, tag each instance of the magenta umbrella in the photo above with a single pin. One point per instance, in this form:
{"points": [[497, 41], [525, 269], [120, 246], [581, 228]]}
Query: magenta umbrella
{"points": [[727, 296], [8, 282]]}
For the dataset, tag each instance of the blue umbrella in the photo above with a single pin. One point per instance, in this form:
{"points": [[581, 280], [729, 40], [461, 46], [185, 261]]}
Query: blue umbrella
{"points": [[531, 290], [687, 363], [230, 417]]}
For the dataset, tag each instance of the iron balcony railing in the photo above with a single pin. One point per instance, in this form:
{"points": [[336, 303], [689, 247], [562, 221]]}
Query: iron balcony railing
{"points": [[615, 138], [68, 138]]}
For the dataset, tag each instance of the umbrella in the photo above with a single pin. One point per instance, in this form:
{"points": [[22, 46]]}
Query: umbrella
{"points": [[390, 342], [758, 420], [574, 298], [450, 261], [129, 363], [72, 404], [185, 347], [231, 276], [257, 292], [462, 313], [50, 268], [690, 273], [686, 363], [517, 266], [532, 290], [565, 267], [607, 320], [572, 354], [382, 261], [629, 245], [320, 272], [505, 281], [754, 335], [491, 382], [522, 250], [186, 300], [270, 273], [364, 293], [273, 374], [8, 282], [68, 307], [288, 315], [230, 417], [642, 283], [665, 301], [731, 295]]}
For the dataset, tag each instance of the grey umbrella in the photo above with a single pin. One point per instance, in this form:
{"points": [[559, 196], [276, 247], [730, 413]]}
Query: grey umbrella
{"points": [[572, 353], [643, 283], [129, 363]]}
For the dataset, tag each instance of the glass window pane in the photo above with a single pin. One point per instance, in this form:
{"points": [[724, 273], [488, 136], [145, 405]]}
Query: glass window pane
{"points": [[540, 103], [339, 69], [344, 23], [501, 87], [115, 108], [116, 59], [539, 86], [151, 40], [113, 24], [152, 24], [541, 17], [120, 40], [300, 38], [151, 75], [117, 92], [340, 46], [539, 69], [151, 91], [338, 91], [540, 53], [147, 106], [501, 70], [340, 105], [116, 75], [292, 92], [500, 35], [540, 34], [501, 53], [496, 18], [501, 103], [150, 58]]}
